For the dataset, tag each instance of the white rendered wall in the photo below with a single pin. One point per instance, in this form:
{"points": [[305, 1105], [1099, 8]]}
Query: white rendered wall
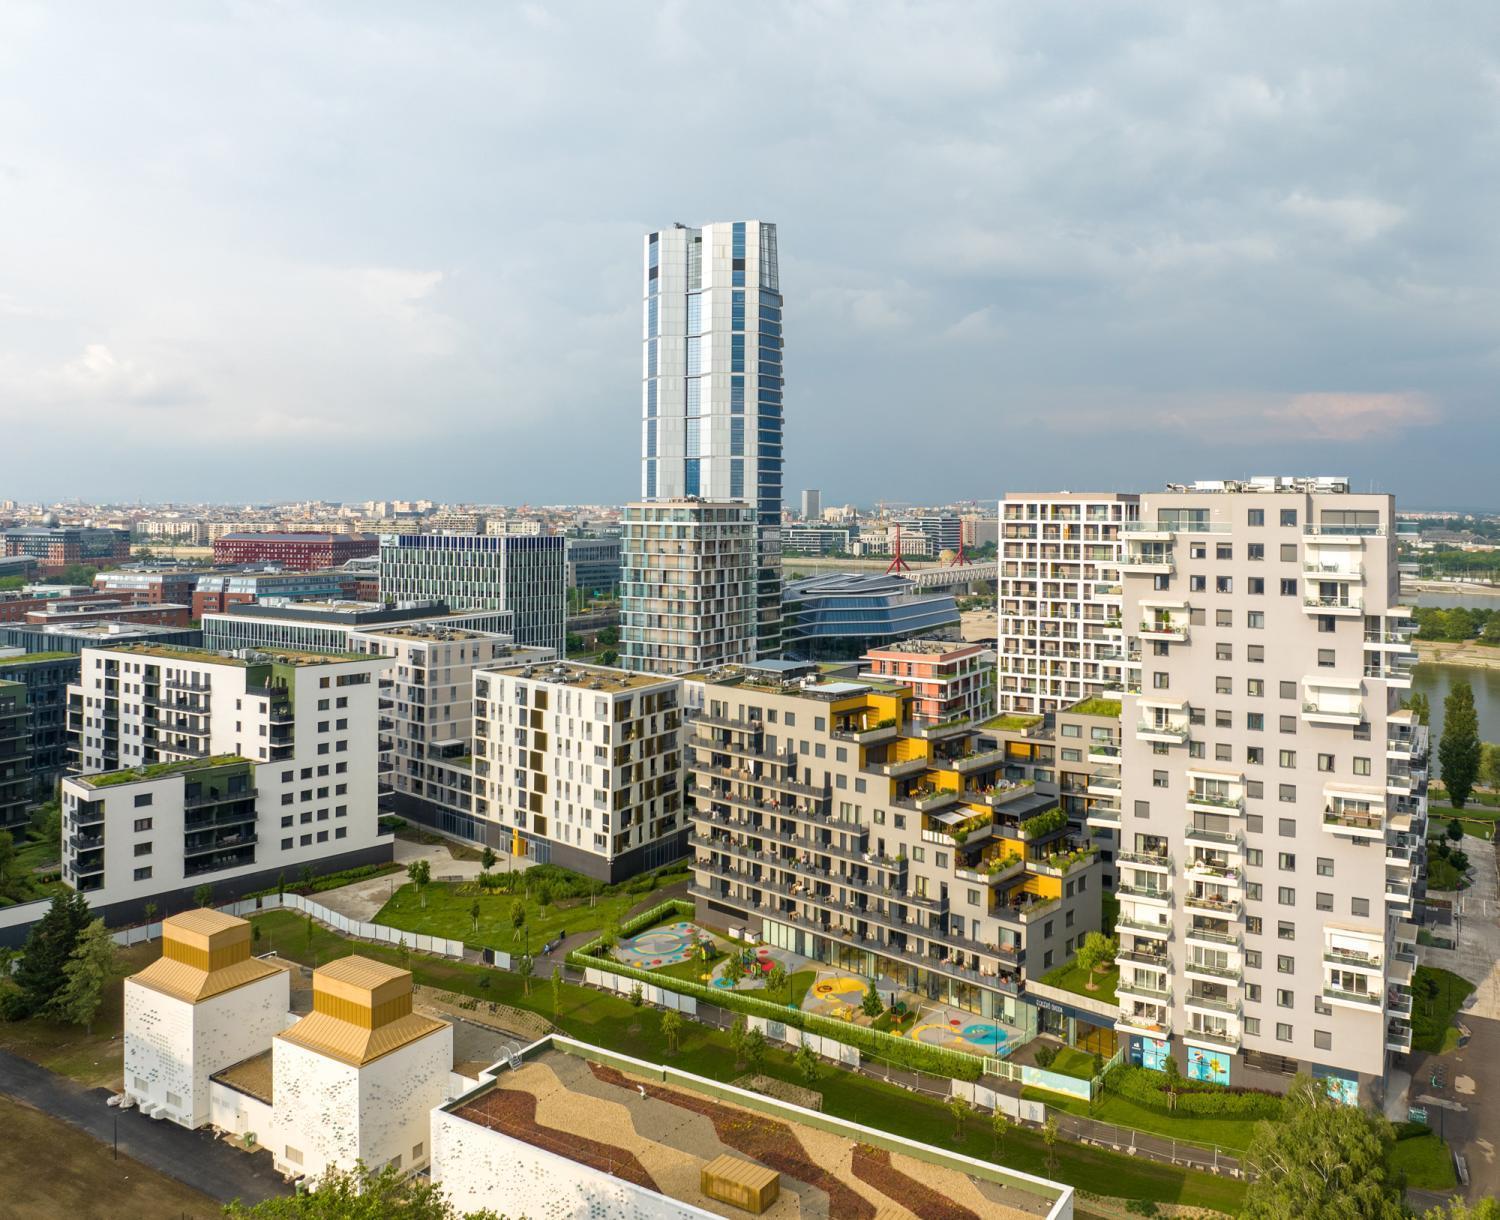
{"points": [[237, 1113], [172, 1046], [398, 1093], [480, 1168]]}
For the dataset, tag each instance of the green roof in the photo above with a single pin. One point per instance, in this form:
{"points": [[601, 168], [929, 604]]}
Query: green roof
{"points": [[287, 656], [135, 775], [1098, 707], [29, 657], [1011, 720]]}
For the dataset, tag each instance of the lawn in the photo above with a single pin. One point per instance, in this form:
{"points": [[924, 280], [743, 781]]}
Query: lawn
{"points": [[1436, 998], [53, 1171], [448, 906], [1231, 1134], [1074, 978], [1425, 1160], [91, 1059], [604, 1020], [1070, 1061]]}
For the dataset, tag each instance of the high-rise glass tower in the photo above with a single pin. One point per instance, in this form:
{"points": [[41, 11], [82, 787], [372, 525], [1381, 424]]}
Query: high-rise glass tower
{"points": [[712, 383]]}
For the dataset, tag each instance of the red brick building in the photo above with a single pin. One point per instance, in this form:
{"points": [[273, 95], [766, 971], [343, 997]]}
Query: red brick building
{"points": [[17, 609], [299, 552], [75, 611]]}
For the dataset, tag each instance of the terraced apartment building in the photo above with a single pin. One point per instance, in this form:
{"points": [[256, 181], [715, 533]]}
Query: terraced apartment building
{"points": [[1273, 806], [824, 823], [1059, 626]]}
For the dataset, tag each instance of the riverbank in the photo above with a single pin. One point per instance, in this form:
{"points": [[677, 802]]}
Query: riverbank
{"points": [[1477, 588], [1468, 652]]}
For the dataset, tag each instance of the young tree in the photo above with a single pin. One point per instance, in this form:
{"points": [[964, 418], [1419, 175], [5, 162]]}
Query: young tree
{"points": [[1174, 1081], [474, 909], [204, 895], [737, 1034], [1096, 952], [637, 998], [525, 968], [89, 967], [776, 980], [807, 1063], [419, 873], [959, 1109], [556, 994], [39, 973], [1458, 751], [1321, 1158], [608, 939], [487, 858], [755, 1051], [1454, 830], [1489, 762], [873, 1005], [1484, 1209], [999, 1128], [358, 1194], [150, 912], [671, 1029], [1420, 707], [1049, 1139]]}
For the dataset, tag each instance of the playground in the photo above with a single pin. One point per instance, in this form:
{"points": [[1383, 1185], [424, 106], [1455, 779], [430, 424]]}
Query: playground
{"points": [[665, 945], [964, 1031]]}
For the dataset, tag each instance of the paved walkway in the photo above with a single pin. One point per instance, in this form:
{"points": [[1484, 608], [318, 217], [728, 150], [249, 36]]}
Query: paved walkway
{"points": [[194, 1158], [363, 899], [1477, 912]]}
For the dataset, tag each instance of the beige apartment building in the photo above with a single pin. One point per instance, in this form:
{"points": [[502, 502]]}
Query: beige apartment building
{"points": [[1273, 803], [581, 766], [1059, 625], [948, 680], [826, 824], [688, 585]]}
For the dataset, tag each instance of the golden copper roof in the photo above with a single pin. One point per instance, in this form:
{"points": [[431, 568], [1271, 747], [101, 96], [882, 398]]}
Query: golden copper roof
{"points": [[354, 1044], [194, 985]]}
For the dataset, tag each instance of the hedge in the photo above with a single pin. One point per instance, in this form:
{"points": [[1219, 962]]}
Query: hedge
{"points": [[900, 1052], [1194, 1097]]}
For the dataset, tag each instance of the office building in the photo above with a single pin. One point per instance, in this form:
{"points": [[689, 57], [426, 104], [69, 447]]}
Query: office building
{"points": [[200, 768], [594, 565], [327, 626], [812, 504], [824, 823], [943, 531], [302, 552], [581, 766], [75, 638], [427, 715], [64, 612], [842, 615], [532, 1139], [216, 592], [949, 681], [1274, 794], [525, 575], [56, 547], [15, 755], [817, 539], [688, 586], [1060, 636], [149, 588], [45, 677], [712, 383]]}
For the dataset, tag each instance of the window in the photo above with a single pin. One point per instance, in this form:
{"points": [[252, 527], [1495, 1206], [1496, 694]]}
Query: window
{"points": [[1286, 861], [143, 874], [1255, 687], [1288, 723], [1361, 766], [1254, 721], [1325, 658], [1286, 827], [1223, 584], [1325, 866], [1287, 758], [1323, 1039], [1252, 992], [1223, 618], [1255, 619], [1289, 517], [142, 824], [1286, 964], [1288, 794], [1197, 584], [1159, 779], [1160, 680], [1252, 1026], [1253, 925], [1325, 762], [1359, 907], [1283, 1032], [1285, 998], [1252, 959], [1256, 588], [1254, 756], [1288, 588], [1255, 516], [142, 800], [1253, 891], [1286, 931], [1197, 550], [1256, 550], [143, 849], [1286, 895], [1325, 901]]}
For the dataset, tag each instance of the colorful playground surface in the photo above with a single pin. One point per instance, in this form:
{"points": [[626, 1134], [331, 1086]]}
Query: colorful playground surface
{"points": [[758, 961], [836, 995], [964, 1031], [665, 945]]}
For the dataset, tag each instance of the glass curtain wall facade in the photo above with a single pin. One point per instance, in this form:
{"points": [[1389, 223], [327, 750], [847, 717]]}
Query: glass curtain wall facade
{"points": [[712, 382]]}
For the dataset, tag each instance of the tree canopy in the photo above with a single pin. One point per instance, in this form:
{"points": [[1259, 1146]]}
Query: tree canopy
{"points": [[1321, 1158], [361, 1195], [40, 973], [1459, 750]]}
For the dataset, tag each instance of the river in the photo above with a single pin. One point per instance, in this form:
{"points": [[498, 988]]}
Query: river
{"points": [[1435, 681]]}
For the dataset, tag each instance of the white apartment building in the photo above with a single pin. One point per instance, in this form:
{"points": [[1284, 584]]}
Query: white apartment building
{"points": [[201, 768], [1273, 805], [581, 766], [712, 382], [687, 585], [1059, 598], [427, 715]]}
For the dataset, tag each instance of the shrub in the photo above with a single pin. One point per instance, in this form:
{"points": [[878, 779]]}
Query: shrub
{"points": [[1044, 823], [1044, 1056], [1194, 1097]]}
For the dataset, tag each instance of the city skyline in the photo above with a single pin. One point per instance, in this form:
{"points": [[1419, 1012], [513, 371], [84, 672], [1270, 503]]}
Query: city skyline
{"points": [[1170, 242]]}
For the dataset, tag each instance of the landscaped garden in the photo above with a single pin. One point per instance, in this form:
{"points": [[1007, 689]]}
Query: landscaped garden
{"points": [[1423, 1158], [1436, 997], [554, 903]]}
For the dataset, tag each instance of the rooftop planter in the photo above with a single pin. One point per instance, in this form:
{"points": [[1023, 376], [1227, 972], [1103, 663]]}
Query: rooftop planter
{"points": [[1049, 821]]}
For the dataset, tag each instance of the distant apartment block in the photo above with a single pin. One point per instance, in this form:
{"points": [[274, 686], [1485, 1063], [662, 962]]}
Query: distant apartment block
{"points": [[581, 766], [298, 551], [45, 677], [66, 611], [943, 531], [215, 592], [57, 547], [812, 504], [15, 755], [1060, 634], [74, 638], [594, 565], [525, 575], [688, 585], [149, 588], [329, 626], [198, 768], [1273, 807], [950, 682]]}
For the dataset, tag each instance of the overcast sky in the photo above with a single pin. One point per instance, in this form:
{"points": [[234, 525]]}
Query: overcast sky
{"points": [[266, 251]]}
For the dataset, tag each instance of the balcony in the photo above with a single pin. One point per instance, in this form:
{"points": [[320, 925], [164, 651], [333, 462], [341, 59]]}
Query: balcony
{"points": [[1225, 840], [1157, 896], [1164, 629], [1160, 929], [1354, 959], [1156, 961], [873, 735], [1212, 1039], [1102, 817], [1216, 904], [1212, 972], [1368, 1001], [1342, 604], [1196, 934], [998, 794], [1157, 1025], [1315, 534], [1330, 711], [1332, 571], [1154, 730], [1354, 823], [1214, 801], [1398, 1035], [1208, 870], [979, 761], [1147, 860], [900, 768], [1148, 562], [1144, 989], [1103, 784]]}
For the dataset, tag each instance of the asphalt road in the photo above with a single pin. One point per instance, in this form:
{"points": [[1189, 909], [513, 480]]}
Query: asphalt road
{"points": [[194, 1158]]}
